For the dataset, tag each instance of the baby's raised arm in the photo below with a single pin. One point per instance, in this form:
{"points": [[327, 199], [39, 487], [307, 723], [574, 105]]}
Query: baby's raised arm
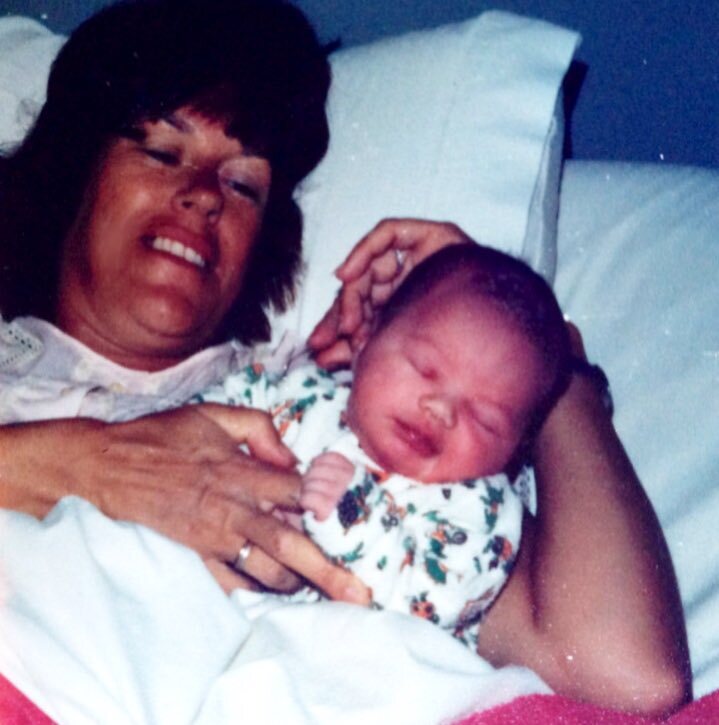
{"points": [[324, 484]]}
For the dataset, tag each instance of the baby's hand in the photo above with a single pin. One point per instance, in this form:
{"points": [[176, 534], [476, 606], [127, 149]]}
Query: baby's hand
{"points": [[324, 484]]}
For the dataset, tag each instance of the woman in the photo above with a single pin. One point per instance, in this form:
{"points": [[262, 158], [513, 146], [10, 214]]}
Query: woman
{"points": [[137, 222], [146, 220]]}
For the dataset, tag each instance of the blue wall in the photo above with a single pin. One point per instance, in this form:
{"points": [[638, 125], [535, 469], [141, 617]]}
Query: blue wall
{"points": [[651, 90]]}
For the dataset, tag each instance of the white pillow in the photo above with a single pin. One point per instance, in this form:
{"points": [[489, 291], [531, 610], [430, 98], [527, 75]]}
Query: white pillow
{"points": [[458, 123], [638, 271], [27, 49]]}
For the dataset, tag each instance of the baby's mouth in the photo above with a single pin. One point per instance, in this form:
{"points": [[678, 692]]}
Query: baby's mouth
{"points": [[421, 443], [178, 249]]}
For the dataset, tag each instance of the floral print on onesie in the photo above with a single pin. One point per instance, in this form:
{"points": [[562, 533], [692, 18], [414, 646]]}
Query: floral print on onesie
{"points": [[440, 551]]}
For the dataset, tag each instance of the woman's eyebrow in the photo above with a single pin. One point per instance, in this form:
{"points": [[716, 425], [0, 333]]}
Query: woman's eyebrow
{"points": [[176, 122], [185, 126]]}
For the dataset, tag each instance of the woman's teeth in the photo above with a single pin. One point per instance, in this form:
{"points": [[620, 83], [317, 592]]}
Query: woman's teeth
{"points": [[171, 246]]}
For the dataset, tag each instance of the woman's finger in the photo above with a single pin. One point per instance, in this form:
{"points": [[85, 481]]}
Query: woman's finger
{"points": [[361, 335], [253, 428], [246, 479], [352, 298], [325, 332], [335, 356], [386, 266], [262, 570], [377, 241], [228, 578], [295, 551], [381, 293], [418, 237]]}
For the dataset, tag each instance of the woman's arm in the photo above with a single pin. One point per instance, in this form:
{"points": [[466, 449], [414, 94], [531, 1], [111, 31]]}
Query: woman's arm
{"points": [[180, 473], [593, 604]]}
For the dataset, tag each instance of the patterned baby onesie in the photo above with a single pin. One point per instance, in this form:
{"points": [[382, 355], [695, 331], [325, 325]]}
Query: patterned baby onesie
{"points": [[438, 551]]}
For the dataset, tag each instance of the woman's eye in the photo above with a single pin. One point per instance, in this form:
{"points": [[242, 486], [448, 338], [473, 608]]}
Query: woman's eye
{"points": [[244, 189], [168, 158]]}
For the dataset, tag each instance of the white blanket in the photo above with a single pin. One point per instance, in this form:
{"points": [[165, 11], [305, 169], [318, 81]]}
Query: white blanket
{"points": [[107, 622]]}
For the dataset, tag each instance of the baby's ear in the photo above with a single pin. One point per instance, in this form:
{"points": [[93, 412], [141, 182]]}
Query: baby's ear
{"points": [[359, 341], [356, 356], [367, 330]]}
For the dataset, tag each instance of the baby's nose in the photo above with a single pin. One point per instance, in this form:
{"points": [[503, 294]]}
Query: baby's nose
{"points": [[441, 408]]}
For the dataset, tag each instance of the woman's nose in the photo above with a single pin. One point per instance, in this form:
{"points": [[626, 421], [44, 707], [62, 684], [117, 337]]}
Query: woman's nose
{"points": [[441, 408], [202, 193]]}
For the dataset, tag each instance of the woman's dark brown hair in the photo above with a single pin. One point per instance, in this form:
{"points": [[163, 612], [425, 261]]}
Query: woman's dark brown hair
{"points": [[256, 65]]}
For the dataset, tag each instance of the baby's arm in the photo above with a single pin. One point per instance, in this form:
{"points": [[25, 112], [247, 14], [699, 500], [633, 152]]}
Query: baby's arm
{"points": [[324, 483]]}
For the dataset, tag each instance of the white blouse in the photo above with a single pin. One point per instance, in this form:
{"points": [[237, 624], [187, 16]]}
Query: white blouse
{"points": [[46, 374]]}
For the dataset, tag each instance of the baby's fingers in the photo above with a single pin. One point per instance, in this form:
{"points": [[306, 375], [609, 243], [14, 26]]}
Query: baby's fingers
{"points": [[319, 501], [331, 466]]}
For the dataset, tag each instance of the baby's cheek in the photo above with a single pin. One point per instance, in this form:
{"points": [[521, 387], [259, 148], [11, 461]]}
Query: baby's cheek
{"points": [[473, 457]]}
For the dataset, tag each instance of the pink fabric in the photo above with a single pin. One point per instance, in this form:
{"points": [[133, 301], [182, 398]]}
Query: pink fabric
{"points": [[540, 709], [16, 709]]}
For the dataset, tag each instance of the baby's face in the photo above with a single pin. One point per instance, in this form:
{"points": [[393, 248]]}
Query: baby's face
{"points": [[445, 391]]}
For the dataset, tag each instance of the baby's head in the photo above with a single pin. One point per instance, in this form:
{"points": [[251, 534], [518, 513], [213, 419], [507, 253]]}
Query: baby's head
{"points": [[466, 359]]}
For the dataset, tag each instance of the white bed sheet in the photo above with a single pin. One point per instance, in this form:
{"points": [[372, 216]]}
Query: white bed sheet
{"points": [[109, 622], [639, 273]]}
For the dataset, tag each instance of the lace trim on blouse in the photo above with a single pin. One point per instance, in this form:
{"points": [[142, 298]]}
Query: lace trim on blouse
{"points": [[18, 347]]}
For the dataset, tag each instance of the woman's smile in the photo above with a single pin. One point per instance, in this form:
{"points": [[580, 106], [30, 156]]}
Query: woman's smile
{"points": [[176, 240], [179, 250]]}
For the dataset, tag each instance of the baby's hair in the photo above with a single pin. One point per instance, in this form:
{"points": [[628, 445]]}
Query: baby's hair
{"points": [[511, 287]]}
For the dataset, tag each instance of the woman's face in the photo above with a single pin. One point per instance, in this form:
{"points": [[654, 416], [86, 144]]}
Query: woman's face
{"points": [[158, 252]]}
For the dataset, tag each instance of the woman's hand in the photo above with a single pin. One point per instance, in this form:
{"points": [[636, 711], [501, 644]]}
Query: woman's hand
{"points": [[370, 274], [180, 473]]}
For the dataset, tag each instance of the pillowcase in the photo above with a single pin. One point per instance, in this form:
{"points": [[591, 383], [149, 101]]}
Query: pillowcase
{"points": [[27, 49], [458, 123], [639, 264]]}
